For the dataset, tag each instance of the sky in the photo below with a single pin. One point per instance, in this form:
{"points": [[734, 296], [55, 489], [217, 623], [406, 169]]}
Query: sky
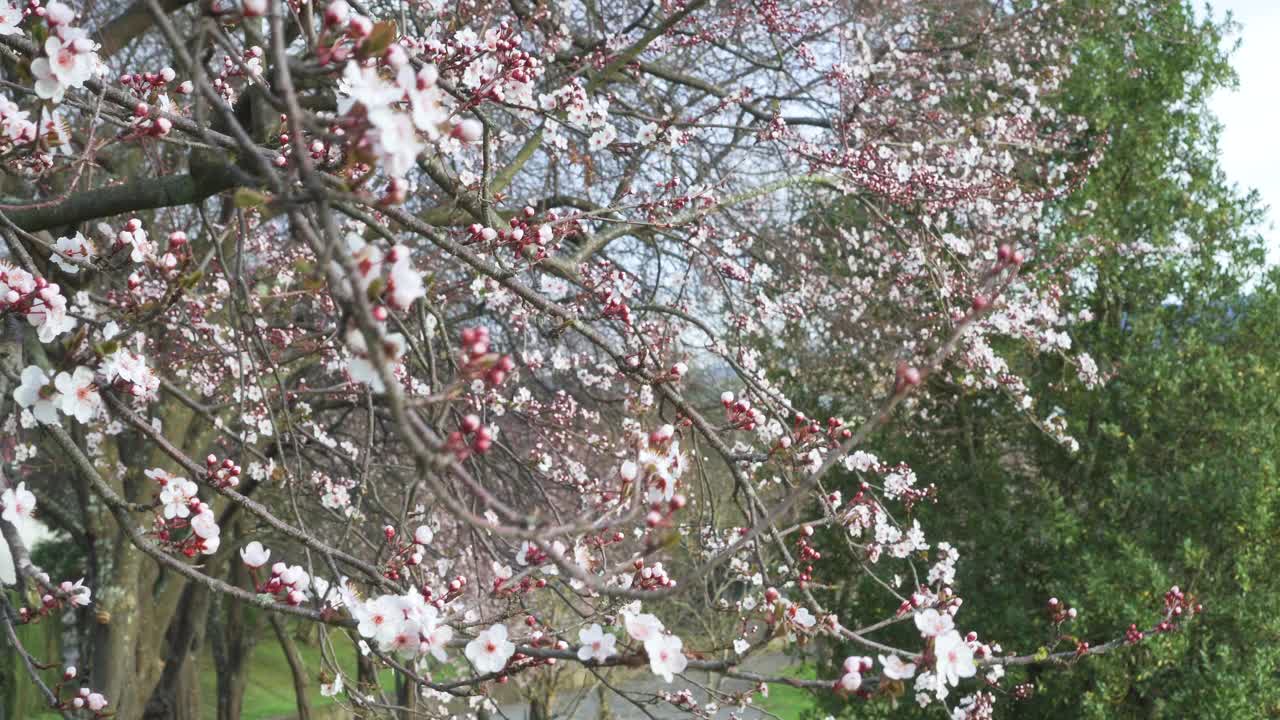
{"points": [[1251, 114]]}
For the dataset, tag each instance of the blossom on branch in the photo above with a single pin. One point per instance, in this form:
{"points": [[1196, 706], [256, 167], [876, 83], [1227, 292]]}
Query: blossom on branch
{"points": [[490, 650]]}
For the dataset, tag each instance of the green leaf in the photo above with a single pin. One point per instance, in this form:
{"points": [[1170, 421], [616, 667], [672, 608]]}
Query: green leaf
{"points": [[380, 38]]}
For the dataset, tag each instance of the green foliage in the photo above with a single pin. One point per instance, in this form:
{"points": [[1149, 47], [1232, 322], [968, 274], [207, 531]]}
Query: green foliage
{"points": [[19, 698], [1176, 479]]}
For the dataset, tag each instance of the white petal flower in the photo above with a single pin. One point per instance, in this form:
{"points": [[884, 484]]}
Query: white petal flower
{"points": [[204, 524], [378, 618], [802, 617], [331, 689], [74, 247], [80, 397], [18, 504], [10, 18], [364, 85], [423, 535], [404, 284], [932, 623], [954, 658], [666, 656], [850, 681], [254, 554], [490, 650], [436, 636], [895, 668], [642, 627], [597, 644], [77, 594], [34, 392]]}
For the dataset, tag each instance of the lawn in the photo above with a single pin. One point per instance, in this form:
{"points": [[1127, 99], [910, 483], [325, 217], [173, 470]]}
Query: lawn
{"points": [[268, 692], [790, 703], [269, 689]]}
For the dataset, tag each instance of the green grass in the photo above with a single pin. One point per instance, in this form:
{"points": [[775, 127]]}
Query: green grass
{"points": [[268, 692], [269, 684], [790, 703], [41, 640], [268, 689]]}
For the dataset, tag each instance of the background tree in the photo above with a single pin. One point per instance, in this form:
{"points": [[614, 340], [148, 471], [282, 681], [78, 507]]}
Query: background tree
{"points": [[1175, 425]]}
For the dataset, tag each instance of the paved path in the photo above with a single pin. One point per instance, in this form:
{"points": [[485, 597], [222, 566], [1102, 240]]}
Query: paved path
{"points": [[640, 686]]}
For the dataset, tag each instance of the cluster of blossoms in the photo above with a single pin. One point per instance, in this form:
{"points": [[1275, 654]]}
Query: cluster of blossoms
{"points": [[658, 466], [134, 237], [95, 702], [74, 594], [74, 394], [411, 554], [479, 363], [742, 414], [16, 126], [181, 508], [392, 277], [40, 301], [71, 253], [18, 505], [151, 90], [225, 474], [952, 656], [526, 240], [470, 437], [70, 56], [292, 584], [853, 669], [386, 119], [128, 371], [83, 698], [665, 649], [411, 626]]}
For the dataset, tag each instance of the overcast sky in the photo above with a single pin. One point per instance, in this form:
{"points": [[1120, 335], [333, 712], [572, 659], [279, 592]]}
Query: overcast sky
{"points": [[1251, 114]]}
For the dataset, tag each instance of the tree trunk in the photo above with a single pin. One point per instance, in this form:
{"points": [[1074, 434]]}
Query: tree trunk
{"points": [[232, 641], [300, 685], [177, 695], [540, 708], [123, 612], [407, 697]]}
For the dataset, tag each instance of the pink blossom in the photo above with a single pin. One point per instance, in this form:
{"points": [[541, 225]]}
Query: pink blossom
{"points": [[954, 657], [18, 504], [490, 650], [932, 623], [597, 645], [79, 395], [666, 656]]}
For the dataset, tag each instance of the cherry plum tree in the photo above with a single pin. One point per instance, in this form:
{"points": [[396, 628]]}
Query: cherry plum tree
{"points": [[451, 330]]}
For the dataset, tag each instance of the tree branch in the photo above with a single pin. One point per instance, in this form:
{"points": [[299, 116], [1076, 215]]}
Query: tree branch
{"points": [[123, 28], [164, 191]]}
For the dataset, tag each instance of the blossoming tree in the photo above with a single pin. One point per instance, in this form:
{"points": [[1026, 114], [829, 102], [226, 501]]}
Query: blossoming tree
{"points": [[454, 330]]}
